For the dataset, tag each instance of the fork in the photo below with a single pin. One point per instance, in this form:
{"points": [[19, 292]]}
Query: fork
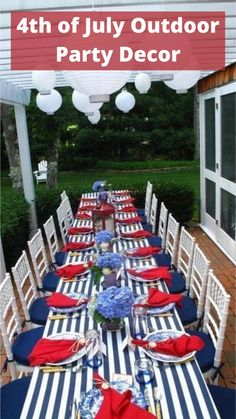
{"points": [[157, 398], [150, 403]]}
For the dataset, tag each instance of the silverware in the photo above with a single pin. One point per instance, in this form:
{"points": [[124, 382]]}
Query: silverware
{"points": [[64, 316], [150, 403], [173, 364], [157, 397], [60, 368]]}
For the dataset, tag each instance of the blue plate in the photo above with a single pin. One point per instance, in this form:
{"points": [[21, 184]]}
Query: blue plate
{"points": [[154, 310], [91, 402], [70, 309]]}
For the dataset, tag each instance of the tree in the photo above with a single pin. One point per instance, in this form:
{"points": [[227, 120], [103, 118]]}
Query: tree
{"points": [[9, 135]]}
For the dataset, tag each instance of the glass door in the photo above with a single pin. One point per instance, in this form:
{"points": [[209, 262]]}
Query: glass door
{"points": [[218, 166]]}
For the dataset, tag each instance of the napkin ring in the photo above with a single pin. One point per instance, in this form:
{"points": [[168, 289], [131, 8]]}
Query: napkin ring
{"points": [[76, 346]]}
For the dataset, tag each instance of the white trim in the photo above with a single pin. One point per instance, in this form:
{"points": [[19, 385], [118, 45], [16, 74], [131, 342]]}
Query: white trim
{"points": [[208, 224]]}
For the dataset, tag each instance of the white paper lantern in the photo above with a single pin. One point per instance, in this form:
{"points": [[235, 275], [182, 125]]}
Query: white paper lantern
{"points": [[184, 80], [49, 103], [98, 85], [95, 118], [82, 103], [125, 101], [142, 83], [44, 81]]}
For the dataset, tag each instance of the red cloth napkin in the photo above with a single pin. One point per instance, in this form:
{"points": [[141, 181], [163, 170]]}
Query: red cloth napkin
{"points": [[56, 299], [131, 220], [158, 298], [121, 193], [87, 207], [79, 230], [119, 406], [180, 346], [136, 234], [72, 270], [47, 350], [152, 273], [144, 251], [77, 246], [126, 201], [88, 199], [83, 215], [130, 208]]}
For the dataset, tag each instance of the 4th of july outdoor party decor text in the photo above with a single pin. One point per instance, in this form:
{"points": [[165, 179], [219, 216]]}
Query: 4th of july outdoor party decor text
{"points": [[103, 40]]}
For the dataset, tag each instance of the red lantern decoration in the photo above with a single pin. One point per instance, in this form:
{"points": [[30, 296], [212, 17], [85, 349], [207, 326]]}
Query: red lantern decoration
{"points": [[104, 217]]}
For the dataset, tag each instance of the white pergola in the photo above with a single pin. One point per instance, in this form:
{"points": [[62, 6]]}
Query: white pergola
{"points": [[15, 86]]}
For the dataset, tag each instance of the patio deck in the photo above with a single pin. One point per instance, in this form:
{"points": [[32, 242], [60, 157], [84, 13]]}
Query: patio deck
{"points": [[226, 272]]}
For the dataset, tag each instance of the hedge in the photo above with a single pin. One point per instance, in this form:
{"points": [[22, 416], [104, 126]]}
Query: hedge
{"points": [[14, 226], [179, 199]]}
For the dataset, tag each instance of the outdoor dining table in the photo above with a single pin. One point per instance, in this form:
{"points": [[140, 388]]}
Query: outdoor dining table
{"points": [[184, 393]]}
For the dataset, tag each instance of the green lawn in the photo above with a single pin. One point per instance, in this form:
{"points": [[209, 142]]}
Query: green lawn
{"points": [[186, 176]]}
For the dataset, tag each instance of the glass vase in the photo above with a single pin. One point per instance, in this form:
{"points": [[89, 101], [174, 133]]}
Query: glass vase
{"points": [[113, 325]]}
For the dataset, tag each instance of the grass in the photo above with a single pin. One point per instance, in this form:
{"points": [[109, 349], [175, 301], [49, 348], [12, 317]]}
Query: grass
{"points": [[186, 176]]}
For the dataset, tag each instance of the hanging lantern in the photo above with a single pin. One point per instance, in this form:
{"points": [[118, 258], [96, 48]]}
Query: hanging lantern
{"points": [[103, 216], [125, 101], [44, 81], [95, 118], [98, 85], [49, 103], [142, 83], [82, 103], [184, 80]]}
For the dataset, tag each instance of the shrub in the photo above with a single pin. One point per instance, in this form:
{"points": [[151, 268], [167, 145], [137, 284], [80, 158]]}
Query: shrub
{"points": [[14, 226]]}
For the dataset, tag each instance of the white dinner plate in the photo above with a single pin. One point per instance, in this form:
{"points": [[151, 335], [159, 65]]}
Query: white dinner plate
{"points": [[163, 335], [154, 310], [137, 278], [68, 335], [76, 295]]}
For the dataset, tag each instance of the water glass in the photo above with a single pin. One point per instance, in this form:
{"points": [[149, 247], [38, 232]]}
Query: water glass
{"points": [[140, 322], [143, 370], [94, 354]]}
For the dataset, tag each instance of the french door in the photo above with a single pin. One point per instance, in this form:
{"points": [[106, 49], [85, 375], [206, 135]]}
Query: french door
{"points": [[218, 166]]}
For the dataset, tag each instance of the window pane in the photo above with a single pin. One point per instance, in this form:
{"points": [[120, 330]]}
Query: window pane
{"points": [[228, 136], [228, 213], [210, 198], [210, 134]]}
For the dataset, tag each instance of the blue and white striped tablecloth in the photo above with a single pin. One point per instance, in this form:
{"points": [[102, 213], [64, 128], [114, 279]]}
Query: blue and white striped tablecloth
{"points": [[184, 392]]}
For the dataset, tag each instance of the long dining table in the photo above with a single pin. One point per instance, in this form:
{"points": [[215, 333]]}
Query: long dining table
{"points": [[184, 393]]}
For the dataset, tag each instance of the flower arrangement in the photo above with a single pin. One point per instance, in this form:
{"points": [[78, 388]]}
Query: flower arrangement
{"points": [[103, 197], [98, 185], [113, 304], [103, 236], [106, 263], [110, 260]]}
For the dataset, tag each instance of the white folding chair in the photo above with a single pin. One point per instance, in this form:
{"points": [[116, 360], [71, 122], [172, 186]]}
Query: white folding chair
{"points": [[148, 201], [214, 325], [68, 210], [162, 225], [185, 255], [63, 222], [47, 280], [168, 258], [17, 344], [192, 307], [147, 206], [63, 195], [35, 309], [41, 173], [57, 256], [153, 216]]}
